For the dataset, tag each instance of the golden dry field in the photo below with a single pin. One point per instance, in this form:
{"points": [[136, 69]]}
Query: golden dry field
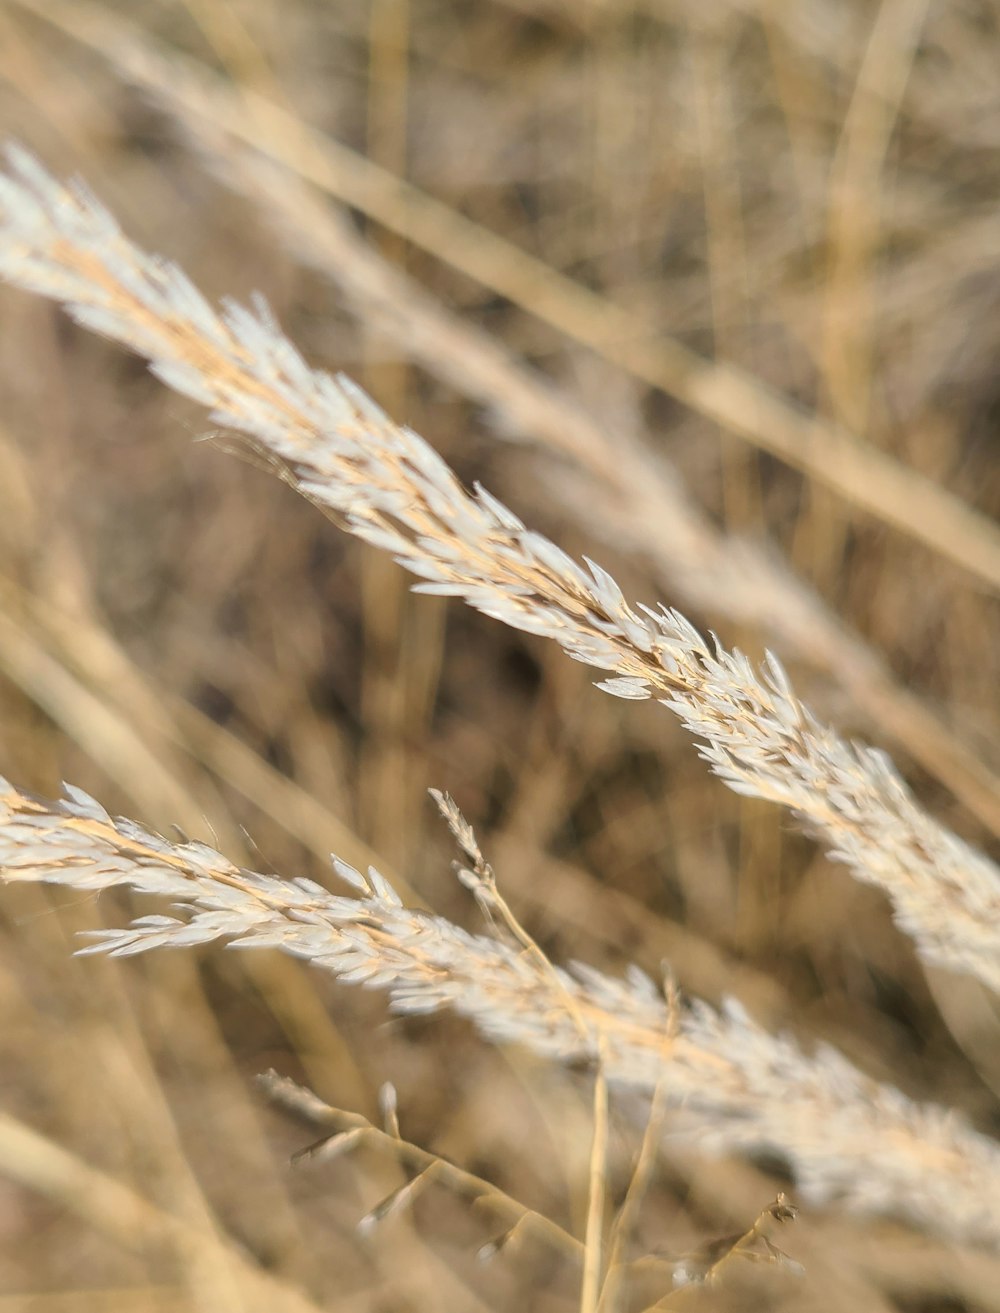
{"points": [[706, 293]]}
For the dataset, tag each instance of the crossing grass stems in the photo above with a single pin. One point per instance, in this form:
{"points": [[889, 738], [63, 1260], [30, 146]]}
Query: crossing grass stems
{"points": [[850, 1141]]}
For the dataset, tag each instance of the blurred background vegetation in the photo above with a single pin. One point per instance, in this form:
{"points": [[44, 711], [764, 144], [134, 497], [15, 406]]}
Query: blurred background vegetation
{"points": [[807, 191]]}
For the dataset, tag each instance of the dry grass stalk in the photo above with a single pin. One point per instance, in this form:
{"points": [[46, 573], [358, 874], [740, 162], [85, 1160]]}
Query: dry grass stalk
{"points": [[343, 1130], [732, 1086], [386, 485], [831, 454], [753, 1245], [623, 490], [849, 1139]]}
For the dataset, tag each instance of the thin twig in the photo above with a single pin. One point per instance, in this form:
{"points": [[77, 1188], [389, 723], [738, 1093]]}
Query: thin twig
{"points": [[346, 1129], [593, 1263]]}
